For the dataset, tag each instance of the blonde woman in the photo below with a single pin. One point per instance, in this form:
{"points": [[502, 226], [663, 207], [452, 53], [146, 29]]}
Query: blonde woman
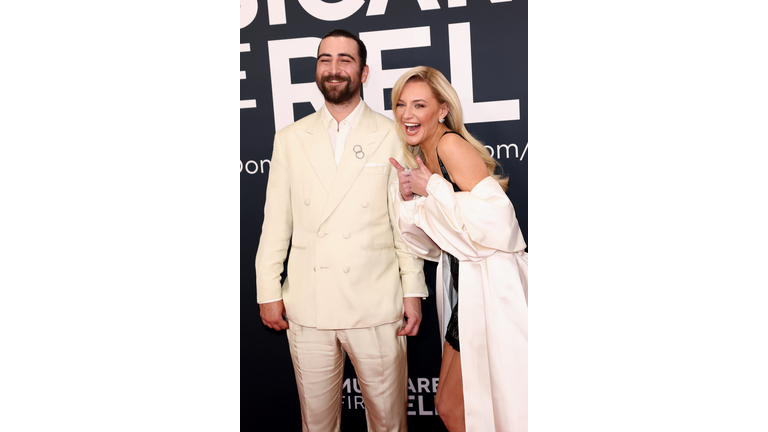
{"points": [[452, 208]]}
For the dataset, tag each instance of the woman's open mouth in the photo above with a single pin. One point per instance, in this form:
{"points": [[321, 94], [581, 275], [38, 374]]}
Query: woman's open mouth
{"points": [[411, 128]]}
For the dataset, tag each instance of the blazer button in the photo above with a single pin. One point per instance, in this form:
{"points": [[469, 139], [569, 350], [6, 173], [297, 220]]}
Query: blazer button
{"points": [[306, 201], [321, 234], [313, 269], [346, 269], [345, 235], [364, 204]]}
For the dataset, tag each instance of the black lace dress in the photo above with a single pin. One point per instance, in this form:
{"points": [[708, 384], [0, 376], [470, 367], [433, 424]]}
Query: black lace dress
{"points": [[452, 332]]}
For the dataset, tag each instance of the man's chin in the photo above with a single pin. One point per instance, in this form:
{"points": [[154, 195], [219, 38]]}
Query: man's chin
{"points": [[339, 101], [338, 98], [336, 90]]}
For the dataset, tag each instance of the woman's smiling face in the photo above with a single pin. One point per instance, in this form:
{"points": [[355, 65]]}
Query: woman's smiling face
{"points": [[417, 112]]}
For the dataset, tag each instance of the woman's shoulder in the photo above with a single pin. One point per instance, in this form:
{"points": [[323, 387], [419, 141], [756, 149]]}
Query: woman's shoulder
{"points": [[453, 148], [460, 158]]}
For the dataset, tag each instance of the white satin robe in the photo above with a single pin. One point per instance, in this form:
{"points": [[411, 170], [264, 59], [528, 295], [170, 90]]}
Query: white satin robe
{"points": [[481, 230]]}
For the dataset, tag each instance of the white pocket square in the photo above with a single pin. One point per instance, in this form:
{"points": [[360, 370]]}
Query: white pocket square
{"points": [[372, 165]]}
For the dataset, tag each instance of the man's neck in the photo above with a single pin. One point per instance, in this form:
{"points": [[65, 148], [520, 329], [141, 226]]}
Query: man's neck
{"points": [[343, 110]]}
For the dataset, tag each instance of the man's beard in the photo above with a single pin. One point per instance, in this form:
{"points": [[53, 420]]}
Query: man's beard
{"points": [[338, 95]]}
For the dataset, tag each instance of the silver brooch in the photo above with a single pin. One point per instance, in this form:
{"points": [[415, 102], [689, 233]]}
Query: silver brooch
{"points": [[358, 151]]}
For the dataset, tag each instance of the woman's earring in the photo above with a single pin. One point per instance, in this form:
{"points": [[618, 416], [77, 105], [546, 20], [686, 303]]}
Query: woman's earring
{"points": [[441, 120]]}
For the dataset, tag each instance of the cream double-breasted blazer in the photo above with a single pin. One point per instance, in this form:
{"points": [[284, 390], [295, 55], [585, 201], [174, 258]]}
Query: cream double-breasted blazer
{"points": [[348, 267]]}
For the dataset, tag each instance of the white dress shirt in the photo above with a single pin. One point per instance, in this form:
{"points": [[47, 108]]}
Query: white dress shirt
{"points": [[339, 132]]}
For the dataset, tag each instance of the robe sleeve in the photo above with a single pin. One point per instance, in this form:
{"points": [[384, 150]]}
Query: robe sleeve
{"points": [[415, 238], [469, 225]]}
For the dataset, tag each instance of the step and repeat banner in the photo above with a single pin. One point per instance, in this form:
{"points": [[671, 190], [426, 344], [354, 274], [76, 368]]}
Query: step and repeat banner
{"points": [[479, 45]]}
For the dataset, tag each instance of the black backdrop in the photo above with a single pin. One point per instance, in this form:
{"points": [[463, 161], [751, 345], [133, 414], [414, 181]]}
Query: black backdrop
{"points": [[481, 47]]}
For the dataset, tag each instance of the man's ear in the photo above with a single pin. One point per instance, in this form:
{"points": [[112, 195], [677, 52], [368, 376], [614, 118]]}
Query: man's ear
{"points": [[365, 74]]}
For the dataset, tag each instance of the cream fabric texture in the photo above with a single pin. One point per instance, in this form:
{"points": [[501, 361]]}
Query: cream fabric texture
{"points": [[481, 230], [348, 269], [346, 264], [379, 358]]}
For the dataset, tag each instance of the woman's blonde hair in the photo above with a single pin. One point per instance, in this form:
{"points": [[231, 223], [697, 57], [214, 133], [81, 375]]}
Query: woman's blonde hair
{"points": [[445, 94]]}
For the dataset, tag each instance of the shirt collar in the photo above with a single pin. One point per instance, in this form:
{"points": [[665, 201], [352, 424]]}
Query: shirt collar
{"points": [[352, 118]]}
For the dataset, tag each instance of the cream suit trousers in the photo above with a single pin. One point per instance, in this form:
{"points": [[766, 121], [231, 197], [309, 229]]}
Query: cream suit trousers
{"points": [[379, 358]]}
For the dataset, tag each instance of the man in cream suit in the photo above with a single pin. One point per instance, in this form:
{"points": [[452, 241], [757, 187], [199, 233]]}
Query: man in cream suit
{"points": [[351, 281]]}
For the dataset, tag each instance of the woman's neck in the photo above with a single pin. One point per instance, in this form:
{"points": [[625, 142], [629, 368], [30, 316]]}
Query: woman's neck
{"points": [[429, 147]]}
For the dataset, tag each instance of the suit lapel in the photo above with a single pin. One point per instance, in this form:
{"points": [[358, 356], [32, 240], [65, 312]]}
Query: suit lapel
{"points": [[368, 136], [314, 140]]}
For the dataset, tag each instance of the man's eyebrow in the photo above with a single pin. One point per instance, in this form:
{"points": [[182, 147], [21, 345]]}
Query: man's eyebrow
{"points": [[340, 55]]}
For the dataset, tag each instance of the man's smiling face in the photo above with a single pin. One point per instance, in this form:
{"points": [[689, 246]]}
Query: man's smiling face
{"points": [[338, 72]]}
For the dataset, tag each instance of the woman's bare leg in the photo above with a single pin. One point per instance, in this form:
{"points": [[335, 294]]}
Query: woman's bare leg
{"points": [[449, 399], [446, 361]]}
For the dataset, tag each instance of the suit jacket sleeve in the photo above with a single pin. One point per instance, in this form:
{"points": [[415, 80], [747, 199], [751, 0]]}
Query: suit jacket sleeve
{"points": [[411, 266], [277, 228]]}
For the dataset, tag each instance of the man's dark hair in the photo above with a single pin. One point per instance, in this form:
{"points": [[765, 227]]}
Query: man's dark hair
{"points": [[362, 52]]}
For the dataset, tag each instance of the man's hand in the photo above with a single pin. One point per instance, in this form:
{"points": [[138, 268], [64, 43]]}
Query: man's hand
{"points": [[273, 315], [412, 306], [405, 180]]}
